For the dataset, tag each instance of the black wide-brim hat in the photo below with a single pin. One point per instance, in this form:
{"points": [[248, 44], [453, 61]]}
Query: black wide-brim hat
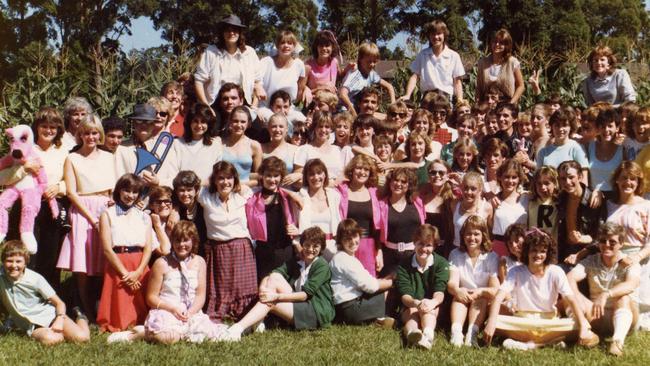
{"points": [[143, 112], [232, 20]]}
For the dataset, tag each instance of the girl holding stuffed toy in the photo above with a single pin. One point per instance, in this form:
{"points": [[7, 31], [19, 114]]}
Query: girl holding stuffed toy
{"points": [[89, 193]]}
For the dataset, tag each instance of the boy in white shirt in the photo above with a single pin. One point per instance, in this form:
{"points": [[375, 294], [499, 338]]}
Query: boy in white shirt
{"points": [[437, 67]]}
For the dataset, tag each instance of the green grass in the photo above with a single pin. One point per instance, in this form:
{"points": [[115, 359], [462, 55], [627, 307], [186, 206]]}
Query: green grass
{"points": [[335, 346]]}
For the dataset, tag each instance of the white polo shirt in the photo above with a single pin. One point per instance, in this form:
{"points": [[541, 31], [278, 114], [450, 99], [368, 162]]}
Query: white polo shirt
{"points": [[438, 72]]}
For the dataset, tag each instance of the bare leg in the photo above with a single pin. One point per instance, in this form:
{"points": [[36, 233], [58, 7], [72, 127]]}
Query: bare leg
{"points": [[275, 283], [411, 320], [167, 337], [47, 336], [77, 332]]}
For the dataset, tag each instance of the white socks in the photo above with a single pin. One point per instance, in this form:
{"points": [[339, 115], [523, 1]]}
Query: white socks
{"points": [[428, 333], [622, 324]]}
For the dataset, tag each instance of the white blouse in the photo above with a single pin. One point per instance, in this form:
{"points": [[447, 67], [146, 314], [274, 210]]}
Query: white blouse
{"points": [[224, 222]]}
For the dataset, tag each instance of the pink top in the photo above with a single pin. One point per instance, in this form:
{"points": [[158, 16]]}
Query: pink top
{"points": [[256, 214], [322, 77], [383, 214]]}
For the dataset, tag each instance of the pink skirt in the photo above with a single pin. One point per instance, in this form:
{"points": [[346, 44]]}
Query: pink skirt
{"points": [[82, 250], [367, 255], [499, 248]]}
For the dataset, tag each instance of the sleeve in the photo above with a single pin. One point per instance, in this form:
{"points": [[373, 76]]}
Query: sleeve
{"points": [[202, 197], [319, 275], [454, 261], [539, 159], [459, 69], [283, 270], [511, 280], [625, 87], [204, 66], [374, 77], [348, 79], [403, 282], [301, 155], [561, 281], [416, 65], [586, 92], [515, 63], [441, 275], [580, 269], [254, 61], [580, 156], [354, 271], [44, 288], [493, 264], [300, 68]]}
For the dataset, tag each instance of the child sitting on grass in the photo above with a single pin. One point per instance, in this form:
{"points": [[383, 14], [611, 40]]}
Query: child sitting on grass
{"points": [[421, 282], [32, 304], [298, 292]]}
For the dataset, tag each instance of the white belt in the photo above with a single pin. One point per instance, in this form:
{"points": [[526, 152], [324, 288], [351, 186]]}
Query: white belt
{"points": [[401, 246]]}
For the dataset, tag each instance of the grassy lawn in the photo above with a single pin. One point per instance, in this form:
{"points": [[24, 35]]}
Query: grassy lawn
{"points": [[337, 346]]}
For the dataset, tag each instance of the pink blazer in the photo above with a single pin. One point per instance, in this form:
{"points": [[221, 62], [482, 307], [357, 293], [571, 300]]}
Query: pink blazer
{"points": [[256, 214], [343, 189], [383, 213]]}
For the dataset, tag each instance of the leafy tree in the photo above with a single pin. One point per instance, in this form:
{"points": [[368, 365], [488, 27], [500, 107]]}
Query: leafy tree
{"points": [[453, 13], [195, 22], [363, 20]]}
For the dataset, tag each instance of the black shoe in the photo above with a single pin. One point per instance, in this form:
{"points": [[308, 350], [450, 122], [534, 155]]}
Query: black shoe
{"points": [[78, 314]]}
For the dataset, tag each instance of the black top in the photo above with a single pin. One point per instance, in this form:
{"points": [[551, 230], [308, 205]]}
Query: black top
{"points": [[197, 219], [361, 212], [402, 225], [439, 220], [588, 221], [276, 223]]}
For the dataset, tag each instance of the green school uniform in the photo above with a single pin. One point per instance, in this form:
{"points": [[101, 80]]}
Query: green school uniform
{"points": [[419, 285], [317, 287]]}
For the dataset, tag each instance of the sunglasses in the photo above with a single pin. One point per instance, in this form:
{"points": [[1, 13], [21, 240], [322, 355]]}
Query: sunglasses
{"points": [[166, 202], [162, 114], [395, 114], [434, 173], [439, 113], [299, 133]]}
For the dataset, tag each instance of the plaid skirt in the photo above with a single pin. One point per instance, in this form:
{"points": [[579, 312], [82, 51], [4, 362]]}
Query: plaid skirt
{"points": [[231, 279]]}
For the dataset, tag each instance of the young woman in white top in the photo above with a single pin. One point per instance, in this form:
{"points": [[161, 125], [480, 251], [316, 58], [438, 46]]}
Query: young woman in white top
{"points": [[471, 203], [198, 150], [510, 205], [535, 287], [473, 280], [631, 211], [126, 241], [320, 205], [231, 273], [358, 295], [48, 131], [89, 194], [319, 147], [283, 71], [493, 154]]}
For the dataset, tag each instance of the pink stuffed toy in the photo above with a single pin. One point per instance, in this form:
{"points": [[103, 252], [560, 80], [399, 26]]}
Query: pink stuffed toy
{"points": [[29, 189]]}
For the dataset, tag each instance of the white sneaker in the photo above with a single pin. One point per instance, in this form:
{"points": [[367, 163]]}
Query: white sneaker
{"points": [[260, 328], [424, 343], [414, 337], [456, 339], [119, 337], [471, 339], [231, 335], [511, 344]]}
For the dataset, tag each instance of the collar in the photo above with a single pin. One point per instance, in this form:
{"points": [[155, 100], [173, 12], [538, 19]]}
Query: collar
{"points": [[443, 54], [121, 209], [419, 268]]}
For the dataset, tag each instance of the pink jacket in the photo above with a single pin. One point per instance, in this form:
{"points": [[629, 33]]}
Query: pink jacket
{"points": [[343, 189], [383, 213], [256, 214]]}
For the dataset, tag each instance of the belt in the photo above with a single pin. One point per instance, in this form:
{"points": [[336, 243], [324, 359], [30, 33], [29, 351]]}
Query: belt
{"points": [[131, 249], [499, 237], [401, 246]]}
